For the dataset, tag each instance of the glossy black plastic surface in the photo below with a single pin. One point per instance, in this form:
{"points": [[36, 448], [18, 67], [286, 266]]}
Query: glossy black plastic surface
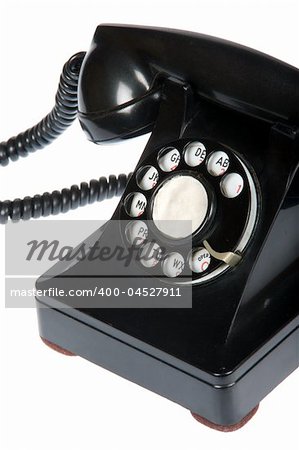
{"points": [[121, 78], [273, 155], [213, 341], [238, 341]]}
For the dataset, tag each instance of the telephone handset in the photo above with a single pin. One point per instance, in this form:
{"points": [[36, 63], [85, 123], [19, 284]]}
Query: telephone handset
{"points": [[219, 172]]}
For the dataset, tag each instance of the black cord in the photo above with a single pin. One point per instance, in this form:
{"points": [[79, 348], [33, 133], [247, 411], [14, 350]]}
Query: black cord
{"points": [[42, 134], [61, 117], [64, 200]]}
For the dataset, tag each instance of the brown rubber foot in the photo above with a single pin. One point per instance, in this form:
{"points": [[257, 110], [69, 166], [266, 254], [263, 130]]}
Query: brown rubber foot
{"points": [[226, 428], [56, 347]]}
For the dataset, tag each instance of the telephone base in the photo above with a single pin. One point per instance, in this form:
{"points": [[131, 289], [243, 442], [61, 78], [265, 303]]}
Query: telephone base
{"points": [[222, 400], [197, 417]]}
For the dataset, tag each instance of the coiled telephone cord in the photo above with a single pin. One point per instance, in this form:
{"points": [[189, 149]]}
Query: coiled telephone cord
{"points": [[49, 128]]}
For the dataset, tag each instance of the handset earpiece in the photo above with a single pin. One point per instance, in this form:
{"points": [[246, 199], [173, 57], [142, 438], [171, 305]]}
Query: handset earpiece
{"points": [[122, 74]]}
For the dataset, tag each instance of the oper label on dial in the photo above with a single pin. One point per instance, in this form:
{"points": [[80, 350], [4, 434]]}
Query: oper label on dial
{"points": [[173, 265], [169, 159], [195, 153], [136, 232], [147, 177], [200, 260], [218, 163], [135, 204]]}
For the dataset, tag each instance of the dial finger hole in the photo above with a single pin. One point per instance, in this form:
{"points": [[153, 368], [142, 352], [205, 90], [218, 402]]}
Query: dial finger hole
{"points": [[194, 153], [169, 159], [173, 265], [232, 185], [217, 163], [199, 260], [135, 204], [136, 232], [147, 177], [150, 254]]}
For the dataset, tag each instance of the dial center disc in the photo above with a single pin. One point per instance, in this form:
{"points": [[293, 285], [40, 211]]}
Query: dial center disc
{"points": [[180, 206]]}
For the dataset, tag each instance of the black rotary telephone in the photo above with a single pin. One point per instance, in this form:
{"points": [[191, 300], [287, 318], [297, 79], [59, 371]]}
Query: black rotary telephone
{"points": [[211, 209]]}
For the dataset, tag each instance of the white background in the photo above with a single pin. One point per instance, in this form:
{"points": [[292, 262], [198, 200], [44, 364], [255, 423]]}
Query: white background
{"points": [[51, 401]]}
